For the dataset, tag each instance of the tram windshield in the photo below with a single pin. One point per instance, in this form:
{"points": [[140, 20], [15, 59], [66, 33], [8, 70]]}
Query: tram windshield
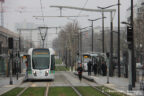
{"points": [[40, 59]]}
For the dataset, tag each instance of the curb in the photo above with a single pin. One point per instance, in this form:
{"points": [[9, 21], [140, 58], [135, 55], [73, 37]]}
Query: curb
{"points": [[85, 77]]}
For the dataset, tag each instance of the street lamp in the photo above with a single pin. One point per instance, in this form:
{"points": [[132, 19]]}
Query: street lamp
{"points": [[111, 49], [119, 72], [92, 20], [111, 35], [131, 67], [102, 29], [93, 30]]}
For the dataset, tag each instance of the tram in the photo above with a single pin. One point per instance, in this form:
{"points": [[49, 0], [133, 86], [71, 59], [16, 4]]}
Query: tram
{"points": [[40, 64], [96, 57]]}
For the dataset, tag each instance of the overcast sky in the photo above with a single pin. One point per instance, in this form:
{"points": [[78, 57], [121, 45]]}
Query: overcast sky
{"points": [[16, 11], [24, 10]]}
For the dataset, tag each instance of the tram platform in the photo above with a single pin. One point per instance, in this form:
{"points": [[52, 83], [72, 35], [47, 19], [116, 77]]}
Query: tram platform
{"points": [[4, 83], [116, 83]]}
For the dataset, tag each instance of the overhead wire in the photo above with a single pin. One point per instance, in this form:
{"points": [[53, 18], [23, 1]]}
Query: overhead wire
{"points": [[81, 10], [42, 12]]}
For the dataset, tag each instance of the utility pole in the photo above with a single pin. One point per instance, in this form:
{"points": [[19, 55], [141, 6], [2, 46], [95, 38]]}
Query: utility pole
{"points": [[130, 69], [81, 45], [111, 45], [2, 13], [130, 39], [31, 44], [103, 31], [111, 39], [92, 37], [10, 63], [119, 69], [108, 64], [93, 31], [130, 60], [133, 57], [19, 41], [10, 46]]}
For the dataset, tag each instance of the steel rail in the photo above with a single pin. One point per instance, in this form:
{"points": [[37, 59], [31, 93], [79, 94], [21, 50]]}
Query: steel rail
{"points": [[86, 81], [71, 85]]}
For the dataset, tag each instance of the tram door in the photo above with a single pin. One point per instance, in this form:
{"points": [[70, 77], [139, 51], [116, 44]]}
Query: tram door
{"points": [[52, 63]]}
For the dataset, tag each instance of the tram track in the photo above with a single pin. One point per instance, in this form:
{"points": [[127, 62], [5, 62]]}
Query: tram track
{"points": [[71, 85], [87, 82], [30, 83], [47, 89]]}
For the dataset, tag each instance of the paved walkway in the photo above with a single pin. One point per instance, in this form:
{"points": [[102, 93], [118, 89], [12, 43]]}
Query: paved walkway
{"points": [[120, 84], [5, 86]]}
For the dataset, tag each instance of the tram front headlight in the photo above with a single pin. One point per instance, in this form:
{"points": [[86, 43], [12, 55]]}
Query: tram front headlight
{"points": [[34, 72], [46, 73]]}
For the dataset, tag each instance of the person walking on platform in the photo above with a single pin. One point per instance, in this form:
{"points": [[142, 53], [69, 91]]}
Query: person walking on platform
{"points": [[80, 70], [89, 67], [95, 68]]}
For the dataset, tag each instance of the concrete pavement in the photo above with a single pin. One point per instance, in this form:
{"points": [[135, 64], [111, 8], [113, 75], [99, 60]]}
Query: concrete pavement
{"points": [[119, 84], [5, 86]]}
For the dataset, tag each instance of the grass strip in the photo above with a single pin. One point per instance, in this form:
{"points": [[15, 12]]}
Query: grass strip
{"points": [[34, 91], [58, 61], [61, 68], [13, 92], [111, 91], [61, 91], [89, 91]]}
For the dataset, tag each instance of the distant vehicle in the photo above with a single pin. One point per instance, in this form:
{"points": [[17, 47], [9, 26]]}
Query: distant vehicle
{"points": [[96, 57], [41, 64]]}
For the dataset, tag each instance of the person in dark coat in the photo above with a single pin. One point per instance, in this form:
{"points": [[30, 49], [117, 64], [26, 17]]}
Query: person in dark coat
{"points": [[80, 70], [95, 68], [89, 67], [104, 68]]}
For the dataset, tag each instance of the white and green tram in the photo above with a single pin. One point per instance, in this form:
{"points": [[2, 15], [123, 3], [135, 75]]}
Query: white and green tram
{"points": [[41, 64]]}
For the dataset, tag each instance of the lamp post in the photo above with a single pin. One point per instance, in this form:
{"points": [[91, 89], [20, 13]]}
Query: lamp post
{"points": [[119, 72], [93, 30], [133, 60], [103, 22], [118, 34], [130, 60], [102, 30], [111, 34]]}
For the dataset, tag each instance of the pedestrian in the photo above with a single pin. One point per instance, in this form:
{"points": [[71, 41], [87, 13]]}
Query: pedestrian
{"points": [[95, 68], [104, 68], [80, 70], [89, 64], [26, 63]]}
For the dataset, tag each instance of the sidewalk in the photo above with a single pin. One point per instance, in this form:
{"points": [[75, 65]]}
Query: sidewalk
{"points": [[119, 84], [5, 86]]}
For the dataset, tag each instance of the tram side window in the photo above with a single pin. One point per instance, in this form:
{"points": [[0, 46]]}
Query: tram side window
{"points": [[52, 62]]}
